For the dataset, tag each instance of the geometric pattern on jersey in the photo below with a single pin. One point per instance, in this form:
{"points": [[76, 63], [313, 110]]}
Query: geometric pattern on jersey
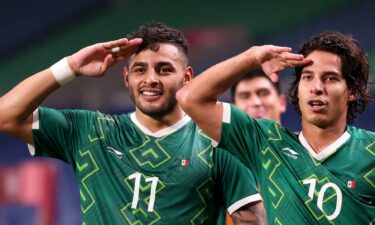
{"points": [[151, 153], [298, 188], [370, 176], [88, 167], [129, 176]]}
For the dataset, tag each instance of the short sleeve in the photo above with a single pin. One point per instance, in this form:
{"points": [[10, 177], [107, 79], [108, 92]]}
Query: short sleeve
{"points": [[237, 182], [59, 133]]}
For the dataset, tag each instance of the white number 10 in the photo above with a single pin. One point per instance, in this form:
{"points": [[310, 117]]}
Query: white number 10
{"points": [[322, 191], [137, 176]]}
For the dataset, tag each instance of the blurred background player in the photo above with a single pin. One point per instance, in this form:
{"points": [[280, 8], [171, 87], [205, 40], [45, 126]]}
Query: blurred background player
{"points": [[258, 96]]}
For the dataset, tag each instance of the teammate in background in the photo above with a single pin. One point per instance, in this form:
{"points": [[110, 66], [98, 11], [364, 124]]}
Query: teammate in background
{"points": [[261, 98], [258, 96], [325, 174], [152, 166]]}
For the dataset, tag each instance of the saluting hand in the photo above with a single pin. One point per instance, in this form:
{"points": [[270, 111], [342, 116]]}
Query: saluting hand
{"points": [[273, 59], [95, 60]]}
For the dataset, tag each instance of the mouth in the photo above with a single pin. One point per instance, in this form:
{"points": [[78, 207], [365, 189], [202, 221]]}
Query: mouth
{"points": [[151, 95], [258, 114], [317, 105]]}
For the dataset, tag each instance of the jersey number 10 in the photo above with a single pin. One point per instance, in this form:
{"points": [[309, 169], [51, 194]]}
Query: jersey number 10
{"points": [[312, 183]]}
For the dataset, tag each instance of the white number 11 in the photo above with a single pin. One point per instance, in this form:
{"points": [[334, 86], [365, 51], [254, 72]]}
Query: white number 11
{"points": [[137, 176]]}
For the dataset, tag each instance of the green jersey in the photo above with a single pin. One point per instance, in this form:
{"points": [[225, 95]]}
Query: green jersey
{"points": [[130, 175], [336, 186]]}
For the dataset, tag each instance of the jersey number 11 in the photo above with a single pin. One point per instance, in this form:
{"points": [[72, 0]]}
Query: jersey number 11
{"points": [[137, 176]]}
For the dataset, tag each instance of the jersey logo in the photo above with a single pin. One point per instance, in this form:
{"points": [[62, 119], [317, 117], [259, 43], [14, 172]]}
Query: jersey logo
{"points": [[290, 152], [118, 154], [185, 163], [351, 184]]}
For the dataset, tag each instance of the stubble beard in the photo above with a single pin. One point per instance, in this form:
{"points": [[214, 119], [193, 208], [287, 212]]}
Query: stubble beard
{"points": [[162, 110]]}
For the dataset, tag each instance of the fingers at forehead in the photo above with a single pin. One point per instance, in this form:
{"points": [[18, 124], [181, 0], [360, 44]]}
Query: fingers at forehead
{"points": [[125, 50], [123, 44], [112, 44], [297, 63], [292, 56], [274, 77], [281, 49]]}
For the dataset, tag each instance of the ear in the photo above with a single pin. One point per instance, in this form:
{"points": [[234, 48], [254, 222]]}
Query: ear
{"points": [[126, 76], [189, 73], [352, 96], [283, 103]]}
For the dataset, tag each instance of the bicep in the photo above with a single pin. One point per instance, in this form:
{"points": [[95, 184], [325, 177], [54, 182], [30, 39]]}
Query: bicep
{"points": [[209, 119], [23, 130], [252, 213]]}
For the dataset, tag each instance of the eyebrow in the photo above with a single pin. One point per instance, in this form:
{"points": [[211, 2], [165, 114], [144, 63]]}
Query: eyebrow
{"points": [[142, 64], [325, 72], [306, 71], [264, 89], [164, 63]]}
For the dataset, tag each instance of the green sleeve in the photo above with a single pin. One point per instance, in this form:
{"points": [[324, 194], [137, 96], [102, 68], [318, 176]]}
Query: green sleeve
{"points": [[246, 138], [239, 135], [59, 133], [237, 182]]}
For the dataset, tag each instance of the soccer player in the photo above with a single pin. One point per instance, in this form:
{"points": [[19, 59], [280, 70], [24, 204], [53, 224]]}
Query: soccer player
{"points": [[325, 174], [260, 97], [152, 166]]}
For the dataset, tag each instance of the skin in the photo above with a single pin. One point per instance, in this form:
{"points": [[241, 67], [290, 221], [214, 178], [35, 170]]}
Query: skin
{"points": [[253, 213], [259, 98], [323, 99], [17, 106], [199, 97], [153, 78]]}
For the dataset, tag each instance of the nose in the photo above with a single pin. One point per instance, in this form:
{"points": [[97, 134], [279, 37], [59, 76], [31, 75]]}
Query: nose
{"points": [[317, 87], [254, 100], [151, 78]]}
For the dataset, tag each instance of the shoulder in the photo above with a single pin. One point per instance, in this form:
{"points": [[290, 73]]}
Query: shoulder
{"points": [[359, 133], [65, 114]]}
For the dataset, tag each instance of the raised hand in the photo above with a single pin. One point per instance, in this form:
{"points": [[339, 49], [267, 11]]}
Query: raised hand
{"points": [[273, 59], [94, 60]]}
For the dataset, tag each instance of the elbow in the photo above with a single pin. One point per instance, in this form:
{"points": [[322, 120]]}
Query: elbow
{"points": [[6, 122], [2, 121], [183, 98], [4, 126]]}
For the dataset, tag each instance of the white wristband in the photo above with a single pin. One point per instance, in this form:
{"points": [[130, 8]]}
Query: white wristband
{"points": [[62, 71]]}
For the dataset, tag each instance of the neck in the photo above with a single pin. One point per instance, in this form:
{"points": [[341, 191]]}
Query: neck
{"points": [[321, 137], [278, 120], [156, 123]]}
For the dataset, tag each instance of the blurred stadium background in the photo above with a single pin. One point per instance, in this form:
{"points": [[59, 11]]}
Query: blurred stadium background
{"points": [[35, 34]]}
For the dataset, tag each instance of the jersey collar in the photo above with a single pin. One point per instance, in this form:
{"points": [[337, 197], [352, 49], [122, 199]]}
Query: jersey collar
{"points": [[163, 132], [328, 151]]}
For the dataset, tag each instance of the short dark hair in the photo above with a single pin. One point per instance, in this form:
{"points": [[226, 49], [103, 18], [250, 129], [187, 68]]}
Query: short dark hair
{"points": [[251, 75], [158, 33], [355, 68]]}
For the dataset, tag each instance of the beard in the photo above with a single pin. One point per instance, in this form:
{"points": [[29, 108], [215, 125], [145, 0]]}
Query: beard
{"points": [[158, 111]]}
